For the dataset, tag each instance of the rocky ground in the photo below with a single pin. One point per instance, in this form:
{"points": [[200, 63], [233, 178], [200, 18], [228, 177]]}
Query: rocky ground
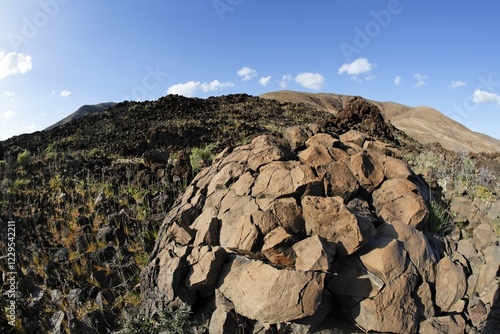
{"points": [[248, 245]]}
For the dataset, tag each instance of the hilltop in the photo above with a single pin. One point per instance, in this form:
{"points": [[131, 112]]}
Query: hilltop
{"points": [[424, 124]]}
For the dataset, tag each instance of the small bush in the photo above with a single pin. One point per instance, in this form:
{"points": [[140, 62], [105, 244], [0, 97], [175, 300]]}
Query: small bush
{"points": [[202, 157], [439, 220], [21, 184], [24, 159], [484, 194]]}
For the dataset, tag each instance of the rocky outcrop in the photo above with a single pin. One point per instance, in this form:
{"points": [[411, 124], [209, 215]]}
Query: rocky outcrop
{"points": [[278, 234]]}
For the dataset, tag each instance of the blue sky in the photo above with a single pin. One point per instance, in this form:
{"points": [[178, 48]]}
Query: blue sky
{"points": [[56, 55]]}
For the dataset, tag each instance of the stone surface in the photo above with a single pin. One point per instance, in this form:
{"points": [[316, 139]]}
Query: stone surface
{"points": [[277, 247], [398, 200], [248, 283], [313, 254], [384, 257], [205, 264], [329, 218], [443, 325], [450, 284], [368, 170]]}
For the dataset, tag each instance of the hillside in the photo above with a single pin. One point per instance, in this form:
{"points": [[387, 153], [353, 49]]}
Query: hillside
{"points": [[424, 124], [88, 109], [118, 218]]}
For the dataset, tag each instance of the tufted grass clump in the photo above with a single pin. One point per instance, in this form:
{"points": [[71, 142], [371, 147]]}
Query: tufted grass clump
{"points": [[440, 219], [171, 320], [202, 157]]}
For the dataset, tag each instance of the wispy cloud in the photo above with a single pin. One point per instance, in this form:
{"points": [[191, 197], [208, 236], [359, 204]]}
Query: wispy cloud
{"points": [[247, 73], [14, 63], [398, 80], [65, 93], [482, 96], [421, 79], [310, 80], [9, 114], [356, 68], [285, 80], [264, 81], [7, 93], [456, 84], [190, 88]]}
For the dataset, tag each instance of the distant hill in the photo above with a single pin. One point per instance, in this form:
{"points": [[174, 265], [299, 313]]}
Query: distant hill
{"points": [[87, 109], [424, 124]]}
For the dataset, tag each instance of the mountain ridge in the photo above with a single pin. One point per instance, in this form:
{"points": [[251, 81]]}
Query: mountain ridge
{"points": [[424, 124]]}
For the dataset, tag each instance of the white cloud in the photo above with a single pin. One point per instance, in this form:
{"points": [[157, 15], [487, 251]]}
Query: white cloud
{"points": [[357, 67], [247, 73], [65, 93], [421, 80], [285, 80], [398, 80], [482, 96], [186, 89], [8, 93], [455, 84], [14, 63], [190, 88], [310, 80], [264, 81], [9, 114], [29, 127], [215, 85]]}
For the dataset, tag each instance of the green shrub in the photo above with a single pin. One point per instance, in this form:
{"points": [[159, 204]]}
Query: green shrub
{"points": [[439, 220], [202, 157], [24, 159], [21, 184]]}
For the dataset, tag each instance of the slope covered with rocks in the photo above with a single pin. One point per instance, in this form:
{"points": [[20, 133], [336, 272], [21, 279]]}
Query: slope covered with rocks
{"points": [[290, 236], [123, 225]]}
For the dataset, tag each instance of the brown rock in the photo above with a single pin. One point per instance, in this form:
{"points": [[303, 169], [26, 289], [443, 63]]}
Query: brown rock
{"points": [[396, 169], [478, 314], [242, 234], [351, 282], [315, 156], [313, 254], [265, 149], [274, 180], [416, 245], [443, 325], [484, 235], [297, 136], [338, 180], [289, 215], [266, 221], [181, 233], [390, 311], [205, 264], [322, 139], [385, 257], [398, 200], [276, 248], [329, 218], [355, 137], [450, 284], [425, 302], [368, 170], [249, 283]]}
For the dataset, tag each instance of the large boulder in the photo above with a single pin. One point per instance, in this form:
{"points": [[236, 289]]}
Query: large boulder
{"points": [[262, 292]]}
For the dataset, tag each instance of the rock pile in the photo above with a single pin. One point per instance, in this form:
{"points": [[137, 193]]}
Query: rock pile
{"points": [[285, 234]]}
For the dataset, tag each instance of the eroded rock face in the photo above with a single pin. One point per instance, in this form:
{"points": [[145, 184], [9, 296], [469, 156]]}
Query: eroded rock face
{"points": [[277, 232], [264, 293]]}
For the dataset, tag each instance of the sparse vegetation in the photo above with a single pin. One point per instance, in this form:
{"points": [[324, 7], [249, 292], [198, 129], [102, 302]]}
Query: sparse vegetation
{"points": [[202, 157], [170, 320]]}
